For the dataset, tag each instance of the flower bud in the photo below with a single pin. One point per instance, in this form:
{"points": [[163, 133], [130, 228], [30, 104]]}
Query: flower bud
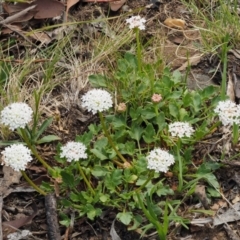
{"points": [[121, 107], [156, 98]]}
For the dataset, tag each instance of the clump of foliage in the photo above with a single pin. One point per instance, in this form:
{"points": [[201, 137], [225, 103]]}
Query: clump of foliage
{"points": [[139, 158]]}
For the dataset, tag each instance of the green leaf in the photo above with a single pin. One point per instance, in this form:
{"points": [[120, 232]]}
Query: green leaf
{"points": [[208, 92], [77, 198], [91, 211], [196, 101], [129, 177], [177, 77], [212, 180], [135, 113], [213, 192], [183, 114], [117, 121], [131, 59], [48, 138], [98, 154], [99, 171], [125, 217], [136, 132], [127, 148], [137, 220], [68, 179], [140, 164], [42, 128], [101, 143], [173, 109], [104, 198], [113, 179], [98, 81], [85, 138], [175, 95], [148, 114], [7, 143], [5, 69], [149, 134], [65, 220], [160, 121], [66, 203]]}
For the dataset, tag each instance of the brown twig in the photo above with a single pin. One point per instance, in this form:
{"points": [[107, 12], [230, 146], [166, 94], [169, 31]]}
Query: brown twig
{"points": [[17, 15], [52, 219]]}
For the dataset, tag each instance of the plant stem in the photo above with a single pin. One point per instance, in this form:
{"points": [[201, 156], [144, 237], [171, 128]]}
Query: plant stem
{"points": [[85, 178], [156, 107], [139, 50], [159, 229], [34, 151], [110, 139], [146, 182], [180, 166], [31, 183], [235, 133]]}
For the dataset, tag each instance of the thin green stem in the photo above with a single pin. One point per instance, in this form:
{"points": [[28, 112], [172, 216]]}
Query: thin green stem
{"points": [[146, 182], [85, 178], [156, 107], [34, 151], [31, 183], [139, 147], [110, 139], [139, 50], [180, 166], [235, 133]]}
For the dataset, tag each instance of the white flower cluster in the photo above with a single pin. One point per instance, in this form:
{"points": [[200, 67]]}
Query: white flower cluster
{"points": [[97, 100], [136, 22], [16, 156], [180, 129], [228, 112], [73, 151], [16, 115], [159, 160]]}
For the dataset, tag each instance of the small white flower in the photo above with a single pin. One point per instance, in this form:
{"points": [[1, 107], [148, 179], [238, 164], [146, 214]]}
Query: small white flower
{"points": [[159, 160], [228, 112], [16, 115], [73, 151], [97, 100], [136, 22], [16, 156], [180, 129]]}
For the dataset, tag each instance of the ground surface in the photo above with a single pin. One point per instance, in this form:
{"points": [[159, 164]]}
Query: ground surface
{"points": [[177, 49]]}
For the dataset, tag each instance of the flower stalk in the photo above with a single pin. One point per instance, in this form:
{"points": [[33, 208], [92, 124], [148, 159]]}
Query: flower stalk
{"points": [[31, 183], [110, 139], [180, 166], [139, 50], [85, 178], [34, 151]]}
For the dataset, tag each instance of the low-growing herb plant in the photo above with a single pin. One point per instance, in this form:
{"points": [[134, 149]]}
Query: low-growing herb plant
{"points": [[138, 159], [133, 152]]}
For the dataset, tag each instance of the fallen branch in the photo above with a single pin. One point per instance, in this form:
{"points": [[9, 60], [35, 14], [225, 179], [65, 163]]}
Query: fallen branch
{"points": [[52, 219]]}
